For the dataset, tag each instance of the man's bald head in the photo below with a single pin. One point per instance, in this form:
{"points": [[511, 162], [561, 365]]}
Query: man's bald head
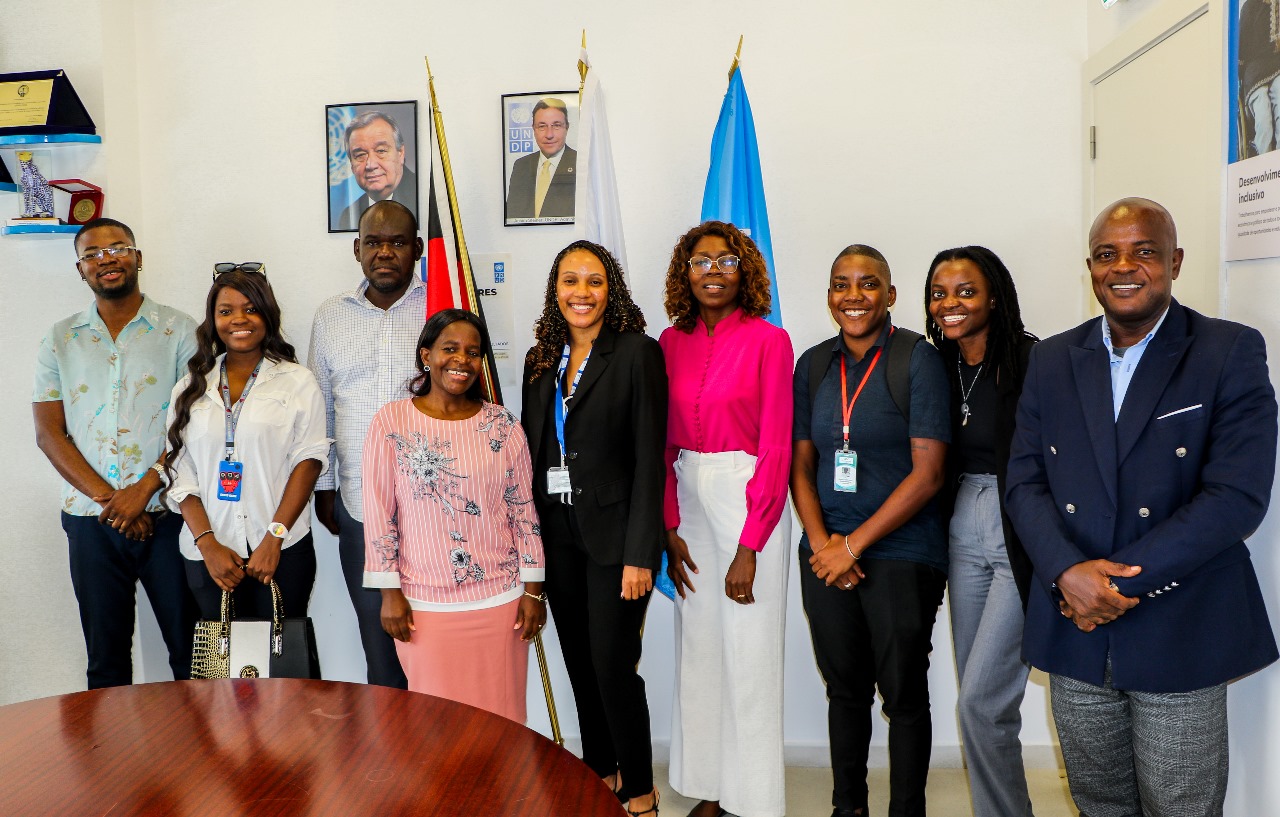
{"points": [[1127, 208], [1133, 262]]}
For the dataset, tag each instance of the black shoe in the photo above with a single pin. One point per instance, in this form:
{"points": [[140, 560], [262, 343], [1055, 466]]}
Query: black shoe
{"points": [[848, 812]]}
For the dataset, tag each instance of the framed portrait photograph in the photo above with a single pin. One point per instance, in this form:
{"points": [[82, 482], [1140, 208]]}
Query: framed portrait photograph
{"points": [[373, 155], [539, 162]]}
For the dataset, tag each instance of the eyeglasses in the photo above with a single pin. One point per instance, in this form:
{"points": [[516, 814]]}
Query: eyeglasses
{"points": [[246, 266], [727, 264], [98, 255]]}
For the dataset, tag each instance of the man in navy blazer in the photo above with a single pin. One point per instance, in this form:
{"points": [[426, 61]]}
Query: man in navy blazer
{"points": [[1143, 457]]}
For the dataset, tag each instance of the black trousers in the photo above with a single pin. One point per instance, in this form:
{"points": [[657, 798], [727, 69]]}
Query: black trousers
{"points": [[876, 635], [105, 569], [295, 576], [600, 637], [379, 648]]}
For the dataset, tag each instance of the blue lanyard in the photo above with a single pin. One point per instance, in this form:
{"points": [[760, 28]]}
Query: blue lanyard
{"points": [[233, 412], [562, 402]]}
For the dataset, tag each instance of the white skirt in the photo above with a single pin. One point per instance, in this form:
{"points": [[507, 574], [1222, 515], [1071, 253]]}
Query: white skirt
{"points": [[726, 731]]}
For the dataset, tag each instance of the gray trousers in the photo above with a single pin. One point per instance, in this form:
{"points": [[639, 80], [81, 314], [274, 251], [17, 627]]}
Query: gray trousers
{"points": [[1142, 754], [986, 629]]}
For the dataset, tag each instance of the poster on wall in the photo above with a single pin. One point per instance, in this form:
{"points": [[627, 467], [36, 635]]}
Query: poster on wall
{"points": [[492, 273], [372, 151], [1253, 173], [539, 162]]}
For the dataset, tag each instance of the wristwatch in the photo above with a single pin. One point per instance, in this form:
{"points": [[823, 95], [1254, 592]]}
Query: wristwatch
{"points": [[278, 530]]}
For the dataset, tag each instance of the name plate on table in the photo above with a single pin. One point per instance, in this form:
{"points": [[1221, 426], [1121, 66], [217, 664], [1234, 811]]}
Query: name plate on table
{"points": [[42, 103]]}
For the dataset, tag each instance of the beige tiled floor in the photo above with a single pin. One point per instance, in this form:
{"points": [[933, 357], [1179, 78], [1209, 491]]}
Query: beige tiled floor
{"points": [[809, 793]]}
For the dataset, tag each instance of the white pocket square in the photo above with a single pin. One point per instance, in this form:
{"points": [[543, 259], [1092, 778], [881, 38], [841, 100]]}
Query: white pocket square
{"points": [[1181, 411]]}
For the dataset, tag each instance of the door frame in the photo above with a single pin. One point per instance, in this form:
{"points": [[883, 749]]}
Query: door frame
{"points": [[1160, 23]]}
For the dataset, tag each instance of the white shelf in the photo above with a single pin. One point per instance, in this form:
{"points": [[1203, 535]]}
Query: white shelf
{"points": [[37, 141], [41, 230]]}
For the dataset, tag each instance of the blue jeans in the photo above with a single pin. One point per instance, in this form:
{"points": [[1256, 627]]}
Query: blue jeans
{"points": [[105, 569], [986, 628]]}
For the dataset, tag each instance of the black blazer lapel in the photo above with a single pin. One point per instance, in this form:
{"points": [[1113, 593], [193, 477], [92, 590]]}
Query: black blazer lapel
{"points": [[600, 352], [537, 413], [1154, 370], [1092, 374]]}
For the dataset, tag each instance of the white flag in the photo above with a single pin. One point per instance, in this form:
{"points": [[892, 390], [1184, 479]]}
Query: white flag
{"points": [[596, 204]]}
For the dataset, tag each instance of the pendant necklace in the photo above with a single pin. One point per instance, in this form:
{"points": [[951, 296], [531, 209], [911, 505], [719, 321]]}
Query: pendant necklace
{"points": [[964, 393]]}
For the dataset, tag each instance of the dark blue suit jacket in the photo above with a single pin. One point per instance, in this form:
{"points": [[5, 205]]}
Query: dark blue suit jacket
{"points": [[1174, 486]]}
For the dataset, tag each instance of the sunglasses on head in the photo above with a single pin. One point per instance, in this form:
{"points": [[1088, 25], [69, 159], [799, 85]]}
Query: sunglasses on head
{"points": [[247, 266]]}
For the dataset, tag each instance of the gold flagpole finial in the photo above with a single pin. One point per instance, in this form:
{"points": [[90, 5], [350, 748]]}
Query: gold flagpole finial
{"points": [[431, 83], [733, 69], [582, 68]]}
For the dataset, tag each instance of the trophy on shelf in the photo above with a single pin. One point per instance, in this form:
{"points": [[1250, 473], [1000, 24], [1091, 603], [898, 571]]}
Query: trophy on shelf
{"points": [[37, 195]]}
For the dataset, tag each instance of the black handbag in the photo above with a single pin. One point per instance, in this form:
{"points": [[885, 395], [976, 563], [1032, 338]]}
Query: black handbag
{"points": [[249, 648]]}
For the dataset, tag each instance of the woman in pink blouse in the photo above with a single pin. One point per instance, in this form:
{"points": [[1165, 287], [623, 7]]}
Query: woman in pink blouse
{"points": [[728, 461], [451, 535]]}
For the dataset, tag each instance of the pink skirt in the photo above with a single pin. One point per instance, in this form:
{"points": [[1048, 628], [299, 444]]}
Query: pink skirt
{"points": [[472, 657]]}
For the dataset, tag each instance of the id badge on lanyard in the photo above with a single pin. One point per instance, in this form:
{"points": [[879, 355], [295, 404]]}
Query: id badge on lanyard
{"points": [[230, 478], [558, 482], [231, 471], [846, 460]]}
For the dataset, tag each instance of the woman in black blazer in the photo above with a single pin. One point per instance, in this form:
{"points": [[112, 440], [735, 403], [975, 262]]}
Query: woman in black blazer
{"points": [[595, 411]]}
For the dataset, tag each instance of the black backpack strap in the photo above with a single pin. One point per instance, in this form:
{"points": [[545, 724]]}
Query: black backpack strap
{"points": [[819, 362], [901, 343], [899, 347]]}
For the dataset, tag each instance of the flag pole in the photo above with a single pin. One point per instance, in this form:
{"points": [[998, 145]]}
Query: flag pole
{"points": [[488, 380], [733, 69], [464, 258], [582, 70]]}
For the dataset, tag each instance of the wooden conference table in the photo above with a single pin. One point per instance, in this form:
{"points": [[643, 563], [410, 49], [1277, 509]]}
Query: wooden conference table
{"points": [[241, 748]]}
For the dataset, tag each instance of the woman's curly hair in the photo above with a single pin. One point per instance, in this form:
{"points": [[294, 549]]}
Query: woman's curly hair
{"points": [[551, 331], [753, 291]]}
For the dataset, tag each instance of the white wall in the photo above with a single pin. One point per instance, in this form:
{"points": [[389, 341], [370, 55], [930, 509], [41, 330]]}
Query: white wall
{"points": [[41, 649], [1105, 24], [909, 126]]}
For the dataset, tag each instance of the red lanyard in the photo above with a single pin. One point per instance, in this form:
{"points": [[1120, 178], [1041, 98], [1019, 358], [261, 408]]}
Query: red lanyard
{"points": [[844, 388]]}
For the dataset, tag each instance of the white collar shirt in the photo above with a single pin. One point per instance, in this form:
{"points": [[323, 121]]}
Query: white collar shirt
{"points": [[281, 425], [1124, 364], [363, 358], [555, 160]]}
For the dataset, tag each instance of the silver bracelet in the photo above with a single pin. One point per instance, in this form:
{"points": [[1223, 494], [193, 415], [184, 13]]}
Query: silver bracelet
{"points": [[846, 547], [196, 541], [542, 598]]}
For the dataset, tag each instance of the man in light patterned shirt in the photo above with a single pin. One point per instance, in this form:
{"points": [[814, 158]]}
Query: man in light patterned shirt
{"points": [[103, 379], [363, 353]]}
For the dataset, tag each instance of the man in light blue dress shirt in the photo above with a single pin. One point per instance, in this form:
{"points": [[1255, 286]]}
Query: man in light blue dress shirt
{"points": [[363, 353], [103, 379]]}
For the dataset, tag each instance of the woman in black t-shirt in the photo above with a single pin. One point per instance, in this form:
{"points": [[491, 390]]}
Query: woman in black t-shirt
{"points": [[974, 320]]}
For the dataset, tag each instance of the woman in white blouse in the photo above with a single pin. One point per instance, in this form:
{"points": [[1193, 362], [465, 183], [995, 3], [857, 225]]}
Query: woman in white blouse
{"points": [[246, 445]]}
